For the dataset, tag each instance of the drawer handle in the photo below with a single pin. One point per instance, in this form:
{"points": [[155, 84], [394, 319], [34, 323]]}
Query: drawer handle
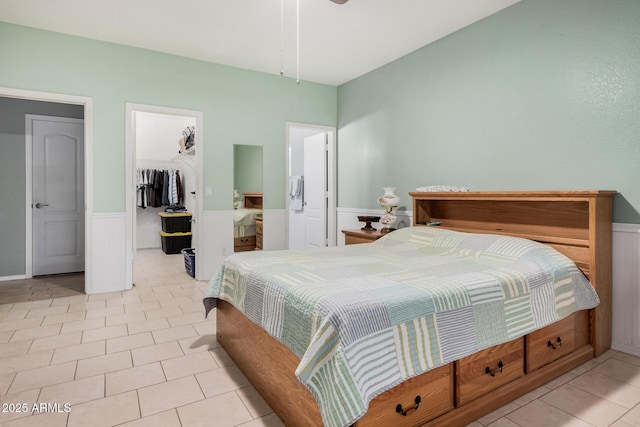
{"points": [[558, 341], [488, 370], [404, 412]]}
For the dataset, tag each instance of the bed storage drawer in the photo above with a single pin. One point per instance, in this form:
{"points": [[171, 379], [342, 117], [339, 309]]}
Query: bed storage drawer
{"points": [[246, 243], [488, 369], [551, 343], [435, 391]]}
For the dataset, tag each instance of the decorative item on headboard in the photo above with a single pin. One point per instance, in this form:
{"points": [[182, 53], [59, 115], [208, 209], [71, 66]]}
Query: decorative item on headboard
{"points": [[442, 189], [389, 201]]}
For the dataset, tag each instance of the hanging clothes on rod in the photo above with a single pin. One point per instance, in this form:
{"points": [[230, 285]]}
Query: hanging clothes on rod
{"points": [[159, 187]]}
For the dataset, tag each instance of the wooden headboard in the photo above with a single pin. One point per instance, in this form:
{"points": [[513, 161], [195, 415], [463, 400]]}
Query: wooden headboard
{"points": [[252, 200], [576, 223]]}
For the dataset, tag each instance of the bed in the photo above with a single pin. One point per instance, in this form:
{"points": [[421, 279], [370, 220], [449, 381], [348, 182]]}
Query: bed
{"points": [[469, 371], [244, 222]]}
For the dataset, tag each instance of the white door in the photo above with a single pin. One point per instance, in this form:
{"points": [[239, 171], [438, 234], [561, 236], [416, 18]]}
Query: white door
{"points": [[57, 195], [315, 190]]}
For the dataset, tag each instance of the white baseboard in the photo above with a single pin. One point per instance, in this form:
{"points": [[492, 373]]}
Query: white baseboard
{"points": [[7, 278]]}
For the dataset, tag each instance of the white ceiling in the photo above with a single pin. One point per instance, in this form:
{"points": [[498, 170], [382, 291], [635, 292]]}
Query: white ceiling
{"points": [[337, 42]]}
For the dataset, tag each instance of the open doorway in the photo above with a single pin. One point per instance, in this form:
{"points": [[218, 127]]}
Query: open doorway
{"points": [[16, 171], [311, 185], [163, 178]]}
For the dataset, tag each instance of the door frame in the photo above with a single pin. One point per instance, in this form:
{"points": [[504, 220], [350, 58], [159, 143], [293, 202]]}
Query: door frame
{"points": [[87, 103], [29, 119], [332, 228], [130, 173]]}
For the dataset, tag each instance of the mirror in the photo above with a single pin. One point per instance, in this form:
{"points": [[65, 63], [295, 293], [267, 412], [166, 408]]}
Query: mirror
{"points": [[247, 197]]}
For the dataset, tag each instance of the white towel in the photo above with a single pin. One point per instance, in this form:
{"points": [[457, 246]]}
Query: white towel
{"points": [[296, 192], [293, 186]]}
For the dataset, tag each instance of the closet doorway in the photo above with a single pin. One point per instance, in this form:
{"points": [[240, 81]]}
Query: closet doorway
{"points": [[311, 185], [164, 175]]}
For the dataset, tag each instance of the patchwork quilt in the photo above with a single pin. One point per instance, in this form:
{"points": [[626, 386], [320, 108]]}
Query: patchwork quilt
{"points": [[363, 318]]}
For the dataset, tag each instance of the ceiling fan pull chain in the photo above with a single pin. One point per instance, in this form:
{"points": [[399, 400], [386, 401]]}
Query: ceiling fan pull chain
{"points": [[282, 37], [297, 41]]}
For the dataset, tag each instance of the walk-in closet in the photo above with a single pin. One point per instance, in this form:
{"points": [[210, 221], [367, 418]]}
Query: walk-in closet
{"points": [[165, 181]]}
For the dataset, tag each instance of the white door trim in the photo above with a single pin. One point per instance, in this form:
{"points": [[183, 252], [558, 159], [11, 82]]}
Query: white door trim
{"points": [[130, 173], [331, 176], [29, 119], [88, 160]]}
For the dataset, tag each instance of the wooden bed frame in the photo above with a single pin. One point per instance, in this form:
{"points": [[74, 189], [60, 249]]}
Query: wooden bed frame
{"points": [[576, 223]]}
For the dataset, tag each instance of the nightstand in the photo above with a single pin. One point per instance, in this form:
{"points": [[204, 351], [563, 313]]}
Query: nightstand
{"points": [[353, 237]]}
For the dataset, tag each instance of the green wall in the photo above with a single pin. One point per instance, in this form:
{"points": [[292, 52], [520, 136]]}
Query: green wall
{"points": [[542, 95], [239, 106]]}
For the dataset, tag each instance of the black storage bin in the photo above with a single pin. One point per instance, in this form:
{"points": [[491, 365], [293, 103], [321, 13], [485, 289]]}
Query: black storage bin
{"points": [[176, 222], [190, 261], [173, 243]]}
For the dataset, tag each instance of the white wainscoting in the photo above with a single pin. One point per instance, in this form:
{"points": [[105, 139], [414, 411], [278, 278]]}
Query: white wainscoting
{"points": [[274, 229], [215, 242], [215, 238], [107, 253], [626, 288]]}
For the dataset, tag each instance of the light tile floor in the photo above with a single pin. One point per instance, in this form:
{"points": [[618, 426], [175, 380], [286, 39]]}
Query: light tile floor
{"points": [[147, 357], [143, 357]]}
